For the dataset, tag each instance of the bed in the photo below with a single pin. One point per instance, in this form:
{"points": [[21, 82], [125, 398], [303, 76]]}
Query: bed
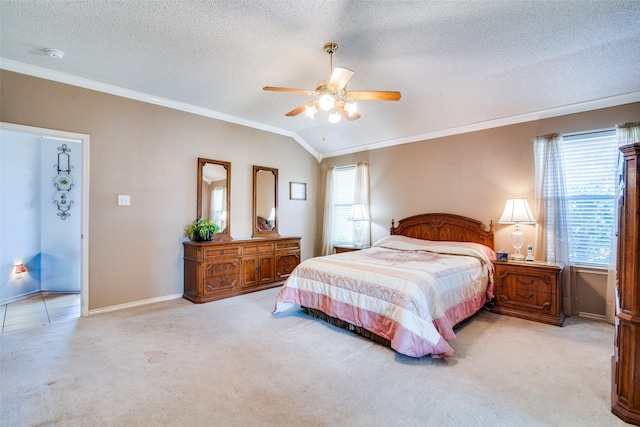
{"points": [[408, 291]]}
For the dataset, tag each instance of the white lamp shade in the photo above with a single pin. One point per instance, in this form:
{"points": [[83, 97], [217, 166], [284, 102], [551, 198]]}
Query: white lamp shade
{"points": [[517, 211], [311, 110], [350, 108], [334, 116], [326, 102], [359, 212]]}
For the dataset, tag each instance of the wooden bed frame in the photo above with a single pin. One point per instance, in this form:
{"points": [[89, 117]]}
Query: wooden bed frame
{"points": [[431, 226]]}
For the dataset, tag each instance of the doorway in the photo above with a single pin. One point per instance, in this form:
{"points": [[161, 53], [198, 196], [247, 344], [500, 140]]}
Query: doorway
{"points": [[44, 194]]}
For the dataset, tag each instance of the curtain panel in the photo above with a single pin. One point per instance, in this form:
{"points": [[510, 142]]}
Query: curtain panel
{"points": [[361, 196], [327, 225], [552, 228]]}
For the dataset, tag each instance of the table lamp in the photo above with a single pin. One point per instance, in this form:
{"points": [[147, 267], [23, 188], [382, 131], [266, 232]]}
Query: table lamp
{"points": [[358, 214], [517, 212]]}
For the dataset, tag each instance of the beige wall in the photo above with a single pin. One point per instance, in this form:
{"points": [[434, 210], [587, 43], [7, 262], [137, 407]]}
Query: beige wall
{"points": [[150, 153], [473, 174]]}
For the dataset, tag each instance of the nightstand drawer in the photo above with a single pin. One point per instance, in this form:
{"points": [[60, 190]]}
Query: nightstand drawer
{"points": [[527, 284], [348, 248], [526, 299]]}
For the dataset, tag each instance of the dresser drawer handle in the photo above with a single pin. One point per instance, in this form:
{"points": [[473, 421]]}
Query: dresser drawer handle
{"points": [[525, 297], [226, 279], [222, 252], [529, 283], [221, 268]]}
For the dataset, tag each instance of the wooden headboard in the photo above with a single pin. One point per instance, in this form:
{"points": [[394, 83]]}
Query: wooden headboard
{"points": [[438, 226]]}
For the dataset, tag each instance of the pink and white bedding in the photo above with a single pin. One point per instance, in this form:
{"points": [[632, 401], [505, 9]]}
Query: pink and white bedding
{"points": [[409, 291]]}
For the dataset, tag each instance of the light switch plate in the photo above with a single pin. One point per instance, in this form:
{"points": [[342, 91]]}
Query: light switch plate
{"points": [[124, 200]]}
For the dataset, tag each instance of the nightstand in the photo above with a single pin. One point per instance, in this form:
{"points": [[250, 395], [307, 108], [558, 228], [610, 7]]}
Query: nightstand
{"points": [[529, 290], [348, 248]]}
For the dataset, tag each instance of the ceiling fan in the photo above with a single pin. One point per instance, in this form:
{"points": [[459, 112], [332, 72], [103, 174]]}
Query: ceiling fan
{"points": [[333, 95]]}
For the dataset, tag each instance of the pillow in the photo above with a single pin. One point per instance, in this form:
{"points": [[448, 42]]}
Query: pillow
{"points": [[410, 243]]}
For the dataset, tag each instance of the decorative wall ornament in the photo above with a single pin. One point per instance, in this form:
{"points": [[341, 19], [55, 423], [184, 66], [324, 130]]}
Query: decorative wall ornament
{"points": [[63, 198]]}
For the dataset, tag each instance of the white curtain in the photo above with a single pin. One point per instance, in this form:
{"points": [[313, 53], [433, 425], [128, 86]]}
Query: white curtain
{"points": [[627, 133], [327, 227], [361, 197], [218, 196], [552, 243]]}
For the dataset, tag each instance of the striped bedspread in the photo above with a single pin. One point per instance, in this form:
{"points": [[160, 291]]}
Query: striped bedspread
{"points": [[409, 291]]}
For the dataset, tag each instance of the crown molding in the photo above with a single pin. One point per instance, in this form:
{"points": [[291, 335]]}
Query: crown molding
{"points": [[45, 73], [57, 76], [580, 107]]}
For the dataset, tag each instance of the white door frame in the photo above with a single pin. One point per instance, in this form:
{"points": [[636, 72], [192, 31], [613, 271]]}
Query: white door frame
{"points": [[84, 208]]}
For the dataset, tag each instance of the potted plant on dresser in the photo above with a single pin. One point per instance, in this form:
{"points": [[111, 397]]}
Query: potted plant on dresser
{"points": [[202, 230]]}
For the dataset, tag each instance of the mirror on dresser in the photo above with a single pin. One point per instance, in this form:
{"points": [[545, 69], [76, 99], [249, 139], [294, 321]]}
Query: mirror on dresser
{"points": [[265, 201], [214, 189]]}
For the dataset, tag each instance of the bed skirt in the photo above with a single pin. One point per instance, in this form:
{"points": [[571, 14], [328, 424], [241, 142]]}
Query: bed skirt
{"points": [[346, 325]]}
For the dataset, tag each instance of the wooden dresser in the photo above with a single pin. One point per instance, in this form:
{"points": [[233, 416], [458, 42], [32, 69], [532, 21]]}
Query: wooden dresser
{"points": [[216, 270], [625, 393], [530, 290]]}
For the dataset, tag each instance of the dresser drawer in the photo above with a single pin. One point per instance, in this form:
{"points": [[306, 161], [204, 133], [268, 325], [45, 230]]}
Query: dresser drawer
{"points": [[285, 263], [288, 245], [221, 276], [221, 251], [258, 248]]}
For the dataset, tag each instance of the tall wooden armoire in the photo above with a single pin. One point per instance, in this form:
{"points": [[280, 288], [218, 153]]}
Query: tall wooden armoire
{"points": [[626, 360]]}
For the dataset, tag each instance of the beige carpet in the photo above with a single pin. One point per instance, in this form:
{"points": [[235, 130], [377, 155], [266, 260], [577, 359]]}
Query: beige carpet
{"points": [[232, 362]]}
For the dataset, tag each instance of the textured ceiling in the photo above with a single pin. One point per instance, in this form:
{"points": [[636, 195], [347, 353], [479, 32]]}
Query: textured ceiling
{"points": [[460, 65]]}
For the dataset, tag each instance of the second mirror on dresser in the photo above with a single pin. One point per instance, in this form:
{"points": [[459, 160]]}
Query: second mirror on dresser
{"points": [[265, 201]]}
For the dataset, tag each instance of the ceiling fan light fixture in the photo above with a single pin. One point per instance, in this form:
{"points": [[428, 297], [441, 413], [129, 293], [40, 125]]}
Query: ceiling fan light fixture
{"points": [[332, 93], [311, 110], [326, 102], [334, 116], [350, 107]]}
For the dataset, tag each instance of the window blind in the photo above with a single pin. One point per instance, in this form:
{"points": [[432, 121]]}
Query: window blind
{"points": [[590, 164]]}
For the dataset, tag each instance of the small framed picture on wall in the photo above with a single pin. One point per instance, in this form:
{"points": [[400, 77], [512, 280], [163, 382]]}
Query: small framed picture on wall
{"points": [[297, 190]]}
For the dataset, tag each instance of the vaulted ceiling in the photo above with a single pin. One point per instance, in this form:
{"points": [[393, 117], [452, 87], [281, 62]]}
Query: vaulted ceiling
{"points": [[460, 65]]}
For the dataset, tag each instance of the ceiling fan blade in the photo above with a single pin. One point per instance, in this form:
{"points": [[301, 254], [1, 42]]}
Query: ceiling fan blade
{"points": [[345, 113], [339, 78], [299, 109], [291, 90], [371, 95]]}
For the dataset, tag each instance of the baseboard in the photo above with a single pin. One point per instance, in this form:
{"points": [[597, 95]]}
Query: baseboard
{"points": [[601, 317], [133, 304], [34, 293], [20, 297]]}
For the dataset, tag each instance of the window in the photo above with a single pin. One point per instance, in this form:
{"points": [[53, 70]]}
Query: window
{"points": [[344, 181], [590, 162]]}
